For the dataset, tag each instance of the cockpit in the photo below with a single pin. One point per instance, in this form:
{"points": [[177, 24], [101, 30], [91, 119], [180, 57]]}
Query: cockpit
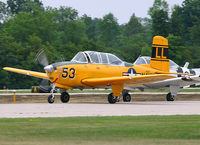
{"points": [[99, 58], [147, 59]]}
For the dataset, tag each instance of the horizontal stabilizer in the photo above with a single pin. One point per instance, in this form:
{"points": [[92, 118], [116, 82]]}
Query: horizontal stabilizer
{"points": [[27, 72]]}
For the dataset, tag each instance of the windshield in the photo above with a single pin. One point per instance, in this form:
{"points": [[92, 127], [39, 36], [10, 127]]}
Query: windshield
{"points": [[80, 57], [94, 57]]}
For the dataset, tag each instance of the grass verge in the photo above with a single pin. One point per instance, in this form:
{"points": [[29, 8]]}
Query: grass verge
{"points": [[102, 130]]}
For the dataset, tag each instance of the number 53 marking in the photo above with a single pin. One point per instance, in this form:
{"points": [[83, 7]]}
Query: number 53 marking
{"points": [[66, 72]]}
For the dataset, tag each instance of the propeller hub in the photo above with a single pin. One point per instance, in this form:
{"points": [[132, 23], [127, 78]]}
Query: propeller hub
{"points": [[49, 68]]}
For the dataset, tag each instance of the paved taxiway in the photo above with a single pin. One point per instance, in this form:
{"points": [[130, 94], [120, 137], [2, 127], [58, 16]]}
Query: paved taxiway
{"points": [[99, 109]]}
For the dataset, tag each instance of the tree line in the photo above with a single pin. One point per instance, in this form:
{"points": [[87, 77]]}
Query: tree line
{"points": [[26, 27]]}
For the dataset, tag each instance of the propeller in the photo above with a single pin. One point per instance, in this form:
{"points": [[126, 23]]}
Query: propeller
{"points": [[42, 58], [45, 86]]}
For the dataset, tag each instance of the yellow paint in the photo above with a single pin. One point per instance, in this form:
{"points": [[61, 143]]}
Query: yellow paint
{"points": [[27, 72], [117, 89], [159, 40], [14, 97], [160, 61]]}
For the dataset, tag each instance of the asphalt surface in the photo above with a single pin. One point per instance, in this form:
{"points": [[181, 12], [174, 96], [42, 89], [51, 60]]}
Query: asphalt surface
{"points": [[99, 109]]}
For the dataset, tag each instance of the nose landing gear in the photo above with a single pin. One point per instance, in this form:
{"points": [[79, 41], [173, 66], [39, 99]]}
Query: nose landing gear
{"points": [[51, 97], [64, 97]]}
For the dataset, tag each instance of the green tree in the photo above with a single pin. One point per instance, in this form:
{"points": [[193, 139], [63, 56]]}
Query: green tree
{"points": [[92, 27], [133, 47], [4, 12], [133, 26], [25, 24], [194, 33], [20, 5], [159, 16], [178, 52], [176, 22], [108, 30]]}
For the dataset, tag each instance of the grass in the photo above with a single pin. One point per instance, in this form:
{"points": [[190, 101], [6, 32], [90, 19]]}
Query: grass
{"points": [[102, 130]]}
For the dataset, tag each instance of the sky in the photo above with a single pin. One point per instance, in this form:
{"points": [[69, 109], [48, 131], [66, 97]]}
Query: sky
{"points": [[122, 9]]}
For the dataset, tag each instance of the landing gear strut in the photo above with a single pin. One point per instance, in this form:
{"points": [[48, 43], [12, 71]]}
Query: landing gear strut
{"points": [[113, 99], [170, 97], [51, 97], [64, 97]]}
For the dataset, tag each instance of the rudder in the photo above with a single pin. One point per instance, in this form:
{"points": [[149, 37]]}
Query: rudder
{"points": [[159, 58]]}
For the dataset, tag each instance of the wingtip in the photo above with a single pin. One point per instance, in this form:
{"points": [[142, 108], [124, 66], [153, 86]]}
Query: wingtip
{"points": [[5, 68]]}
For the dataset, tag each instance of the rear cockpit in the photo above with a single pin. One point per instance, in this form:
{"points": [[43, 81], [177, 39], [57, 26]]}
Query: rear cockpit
{"points": [[98, 58]]}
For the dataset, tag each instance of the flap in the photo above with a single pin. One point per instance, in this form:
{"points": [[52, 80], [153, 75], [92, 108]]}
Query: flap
{"points": [[27, 72], [125, 80]]}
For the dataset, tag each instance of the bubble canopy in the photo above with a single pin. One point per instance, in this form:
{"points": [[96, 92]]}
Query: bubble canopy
{"points": [[98, 58], [147, 59]]}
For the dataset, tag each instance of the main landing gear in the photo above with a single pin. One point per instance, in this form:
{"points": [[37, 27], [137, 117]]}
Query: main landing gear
{"points": [[64, 97], [113, 99], [173, 92], [126, 97], [170, 97]]}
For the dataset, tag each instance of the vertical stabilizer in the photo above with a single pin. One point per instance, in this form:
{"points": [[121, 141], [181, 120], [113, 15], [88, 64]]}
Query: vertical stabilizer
{"points": [[159, 58]]}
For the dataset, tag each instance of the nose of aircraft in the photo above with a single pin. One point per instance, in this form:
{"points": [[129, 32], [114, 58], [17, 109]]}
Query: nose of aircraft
{"points": [[48, 68]]}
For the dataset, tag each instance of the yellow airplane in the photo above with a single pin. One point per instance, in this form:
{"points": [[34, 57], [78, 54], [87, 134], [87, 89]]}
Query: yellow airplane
{"points": [[90, 69]]}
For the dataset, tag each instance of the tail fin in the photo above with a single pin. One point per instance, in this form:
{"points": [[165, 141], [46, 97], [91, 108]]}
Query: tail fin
{"points": [[159, 58]]}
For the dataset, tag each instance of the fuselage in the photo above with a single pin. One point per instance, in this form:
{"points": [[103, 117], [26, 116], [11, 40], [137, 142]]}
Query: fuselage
{"points": [[70, 76]]}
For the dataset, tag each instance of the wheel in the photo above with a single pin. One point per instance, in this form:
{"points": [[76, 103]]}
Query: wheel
{"points": [[170, 97], [50, 99], [127, 97], [112, 99], [64, 97]]}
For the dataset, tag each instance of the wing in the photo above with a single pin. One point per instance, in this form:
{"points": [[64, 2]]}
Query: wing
{"points": [[125, 80], [192, 80], [27, 72]]}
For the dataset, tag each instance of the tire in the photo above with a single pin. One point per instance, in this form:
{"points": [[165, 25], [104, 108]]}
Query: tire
{"points": [[112, 99], [170, 97], [127, 97], [64, 97], [50, 99]]}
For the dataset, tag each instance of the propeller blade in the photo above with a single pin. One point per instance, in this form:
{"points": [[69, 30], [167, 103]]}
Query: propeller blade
{"points": [[42, 58], [45, 86]]}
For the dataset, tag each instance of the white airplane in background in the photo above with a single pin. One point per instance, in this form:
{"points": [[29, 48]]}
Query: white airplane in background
{"points": [[174, 84]]}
